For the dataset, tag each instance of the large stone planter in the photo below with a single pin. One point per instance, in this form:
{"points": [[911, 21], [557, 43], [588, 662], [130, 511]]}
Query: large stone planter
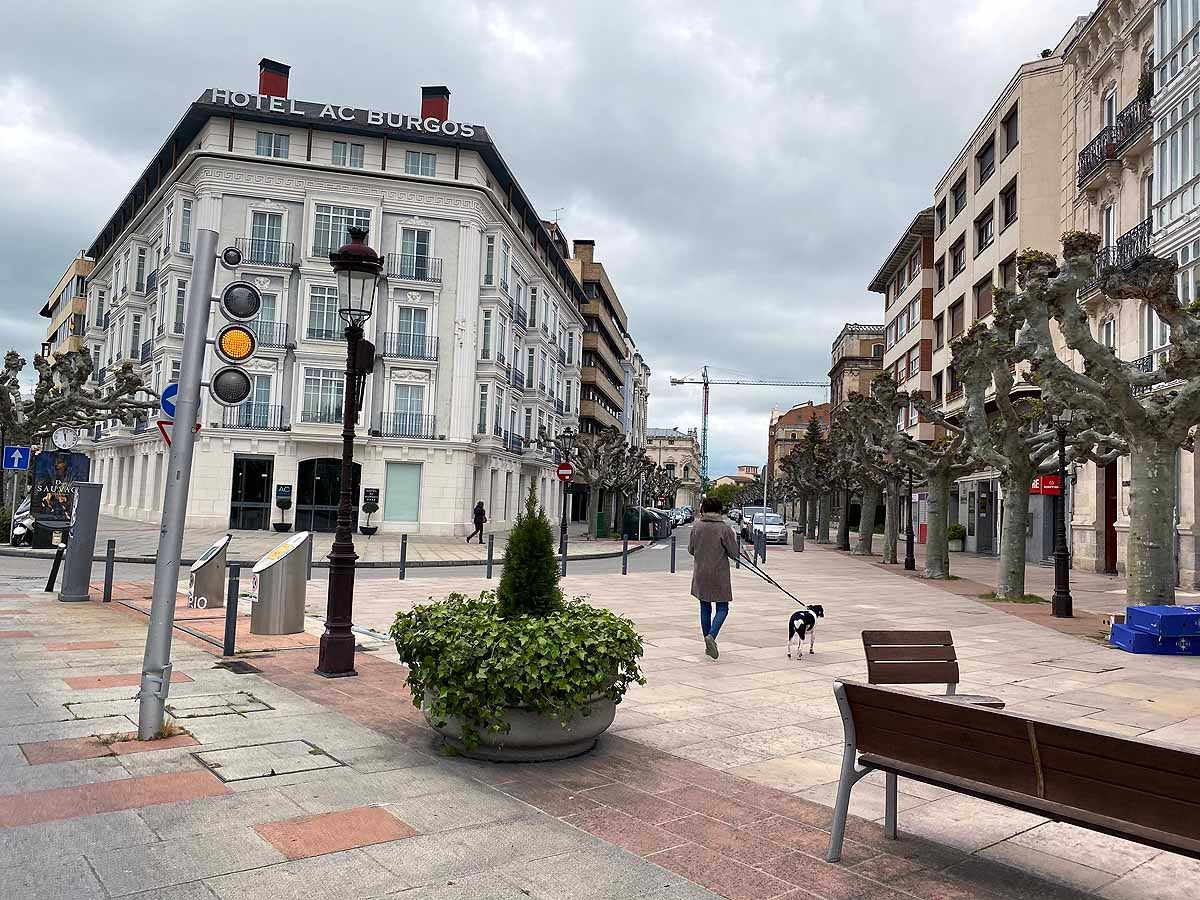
{"points": [[535, 738]]}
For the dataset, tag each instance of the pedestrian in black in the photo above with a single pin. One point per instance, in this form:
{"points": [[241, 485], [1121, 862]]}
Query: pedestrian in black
{"points": [[479, 517]]}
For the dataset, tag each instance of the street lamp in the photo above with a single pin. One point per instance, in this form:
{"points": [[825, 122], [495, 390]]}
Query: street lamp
{"points": [[1061, 602], [359, 271], [565, 442], [910, 558]]}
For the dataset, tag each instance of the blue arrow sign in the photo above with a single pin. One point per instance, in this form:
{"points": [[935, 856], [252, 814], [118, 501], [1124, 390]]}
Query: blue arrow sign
{"points": [[168, 399], [16, 458]]}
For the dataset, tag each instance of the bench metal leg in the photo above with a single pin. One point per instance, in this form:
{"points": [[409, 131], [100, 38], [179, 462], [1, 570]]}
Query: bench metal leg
{"points": [[889, 805], [850, 776]]}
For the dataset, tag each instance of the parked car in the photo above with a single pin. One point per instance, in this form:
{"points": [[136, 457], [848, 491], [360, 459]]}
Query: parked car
{"points": [[736, 515], [772, 525], [677, 516], [748, 513], [689, 515]]}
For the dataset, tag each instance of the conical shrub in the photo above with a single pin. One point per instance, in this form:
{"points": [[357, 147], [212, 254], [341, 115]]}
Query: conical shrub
{"points": [[529, 584]]}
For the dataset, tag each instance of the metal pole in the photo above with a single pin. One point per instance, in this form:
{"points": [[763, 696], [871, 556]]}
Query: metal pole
{"points": [[12, 518], [490, 557], [562, 540], [336, 656], [110, 552], [737, 563], [231, 604], [672, 554], [625, 555], [58, 558], [308, 565], [156, 665], [403, 554], [1061, 603], [910, 557]]}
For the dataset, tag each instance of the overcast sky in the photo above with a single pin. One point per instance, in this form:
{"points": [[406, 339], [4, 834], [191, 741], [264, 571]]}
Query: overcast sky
{"points": [[743, 167]]}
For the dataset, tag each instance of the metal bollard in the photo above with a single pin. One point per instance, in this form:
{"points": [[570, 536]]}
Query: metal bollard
{"points": [[58, 558], [737, 563], [110, 551], [491, 539], [763, 551], [308, 569], [563, 567], [231, 605], [403, 554], [625, 556], [672, 554]]}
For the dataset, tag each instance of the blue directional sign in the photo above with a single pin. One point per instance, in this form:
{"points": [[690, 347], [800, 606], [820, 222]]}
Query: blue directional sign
{"points": [[168, 399], [17, 458]]}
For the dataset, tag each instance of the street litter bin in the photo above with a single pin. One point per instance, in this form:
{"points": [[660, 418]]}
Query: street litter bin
{"points": [[798, 540], [277, 586], [629, 523], [206, 577]]}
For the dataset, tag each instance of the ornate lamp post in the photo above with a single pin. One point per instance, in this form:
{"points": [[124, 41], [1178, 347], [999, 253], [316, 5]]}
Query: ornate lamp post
{"points": [[564, 442], [359, 271], [1061, 604], [910, 558]]}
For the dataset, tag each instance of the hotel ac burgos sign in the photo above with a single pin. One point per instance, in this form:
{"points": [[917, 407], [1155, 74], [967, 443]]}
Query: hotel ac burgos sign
{"points": [[316, 112]]}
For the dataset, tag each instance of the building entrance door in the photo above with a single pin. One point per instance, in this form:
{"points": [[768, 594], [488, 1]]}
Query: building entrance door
{"points": [[250, 498], [318, 489], [1110, 518]]}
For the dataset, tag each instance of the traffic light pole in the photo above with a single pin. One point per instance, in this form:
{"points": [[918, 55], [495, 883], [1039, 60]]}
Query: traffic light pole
{"points": [[156, 666]]}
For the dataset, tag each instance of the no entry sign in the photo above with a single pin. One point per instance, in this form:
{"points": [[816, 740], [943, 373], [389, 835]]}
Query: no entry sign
{"points": [[565, 471]]}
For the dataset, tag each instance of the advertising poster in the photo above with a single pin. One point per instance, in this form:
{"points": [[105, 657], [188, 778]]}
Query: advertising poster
{"points": [[55, 473]]}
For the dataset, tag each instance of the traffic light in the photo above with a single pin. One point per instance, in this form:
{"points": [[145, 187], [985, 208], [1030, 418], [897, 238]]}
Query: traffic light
{"points": [[236, 342]]}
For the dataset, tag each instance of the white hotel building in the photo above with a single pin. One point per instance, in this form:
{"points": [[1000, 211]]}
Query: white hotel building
{"points": [[477, 332]]}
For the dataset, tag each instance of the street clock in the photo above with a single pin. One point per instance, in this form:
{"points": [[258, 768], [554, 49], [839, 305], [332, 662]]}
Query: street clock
{"points": [[65, 438]]}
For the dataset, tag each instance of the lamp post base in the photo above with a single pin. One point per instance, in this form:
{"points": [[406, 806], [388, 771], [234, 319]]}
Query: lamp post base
{"points": [[336, 656]]}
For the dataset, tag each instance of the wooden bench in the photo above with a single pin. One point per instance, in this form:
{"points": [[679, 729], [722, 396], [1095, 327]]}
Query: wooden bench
{"points": [[918, 657], [1143, 792]]}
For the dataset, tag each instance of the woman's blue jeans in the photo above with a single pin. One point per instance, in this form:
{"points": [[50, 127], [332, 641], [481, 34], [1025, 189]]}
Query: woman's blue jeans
{"points": [[710, 625]]}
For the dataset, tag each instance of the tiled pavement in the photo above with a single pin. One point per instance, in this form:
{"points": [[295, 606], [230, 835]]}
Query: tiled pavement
{"points": [[717, 776]]}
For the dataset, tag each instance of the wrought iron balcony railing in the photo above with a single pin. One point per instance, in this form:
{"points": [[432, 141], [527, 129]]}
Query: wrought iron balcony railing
{"points": [[558, 407], [518, 379], [520, 317], [261, 252], [402, 345], [1131, 122], [515, 444], [562, 356], [256, 416], [326, 415], [324, 334], [269, 333], [152, 282], [407, 425], [414, 267], [147, 349], [1129, 248]]}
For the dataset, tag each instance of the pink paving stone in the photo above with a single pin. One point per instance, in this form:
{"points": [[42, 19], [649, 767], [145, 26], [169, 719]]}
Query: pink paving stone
{"points": [[83, 645], [16, 634], [56, 804], [719, 874], [332, 832], [625, 831], [68, 749], [108, 681], [15, 612]]}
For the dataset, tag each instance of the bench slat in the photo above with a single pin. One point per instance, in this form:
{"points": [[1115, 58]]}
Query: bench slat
{"points": [[907, 638], [1119, 750], [1127, 802], [862, 695], [912, 673], [874, 727], [910, 654], [1156, 784]]}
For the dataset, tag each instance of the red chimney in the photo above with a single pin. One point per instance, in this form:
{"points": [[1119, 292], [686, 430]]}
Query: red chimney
{"points": [[272, 78], [435, 102]]}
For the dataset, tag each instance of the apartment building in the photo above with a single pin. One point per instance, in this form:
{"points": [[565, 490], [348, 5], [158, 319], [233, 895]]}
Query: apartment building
{"points": [[1108, 188], [66, 308], [635, 395], [786, 431], [602, 388], [856, 358], [476, 332], [679, 453]]}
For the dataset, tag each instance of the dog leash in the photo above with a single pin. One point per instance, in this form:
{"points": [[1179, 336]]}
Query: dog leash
{"points": [[769, 580]]}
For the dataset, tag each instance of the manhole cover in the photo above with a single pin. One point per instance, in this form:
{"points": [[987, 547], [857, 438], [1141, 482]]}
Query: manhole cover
{"points": [[1078, 665], [265, 760], [238, 667], [201, 706]]}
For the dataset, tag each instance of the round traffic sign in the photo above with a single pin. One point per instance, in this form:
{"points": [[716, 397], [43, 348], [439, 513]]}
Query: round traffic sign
{"points": [[565, 471]]}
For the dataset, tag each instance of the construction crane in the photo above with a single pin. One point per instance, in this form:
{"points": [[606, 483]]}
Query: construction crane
{"points": [[706, 382]]}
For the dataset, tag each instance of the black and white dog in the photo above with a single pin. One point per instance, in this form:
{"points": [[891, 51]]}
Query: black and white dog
{"points": [[801, 623]]}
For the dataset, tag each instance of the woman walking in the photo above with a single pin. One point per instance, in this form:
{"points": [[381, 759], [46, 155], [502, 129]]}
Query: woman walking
{"points": [[479, 517], [713, 544]]}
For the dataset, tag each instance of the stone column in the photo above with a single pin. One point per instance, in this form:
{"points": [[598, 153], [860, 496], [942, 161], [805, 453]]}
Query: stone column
{"points": [[462, 344]]}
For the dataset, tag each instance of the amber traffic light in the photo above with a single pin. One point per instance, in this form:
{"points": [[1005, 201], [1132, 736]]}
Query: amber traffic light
{"points": [[235, 343]]}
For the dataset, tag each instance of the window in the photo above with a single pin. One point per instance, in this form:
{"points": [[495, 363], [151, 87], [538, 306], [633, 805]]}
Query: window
{"points": [[266, 229], [956, 318], [501, 338], [410, 323], [481, 425], [1108, 106], [939, 271], [485, 342], [985, 162], [185, 227], [914, 361], [1008, 204], [542, 370], [959, 194], [939, 332], [141, 270], [504, 263], [1011, 132], [323, 314], [1008, 274], [958, 256], [914, 265], [937, 388], [271, 144], [891, 334], [1107, 225], [408, 404], [528, 423], [323, 392], [330, 226], [570, 348], [489, 260], [135, 337], [350, 155], [877, 351], [417, 163], [266, 312], [902, 324], [498, 413], [914, 313], [983, 298], [941, 217], [529, 361], [1108, 333], [175, 366], [100, 308], [1156, 334], [414, 253], [167, 235], [180, 298], [533, 304], [985, 230]]}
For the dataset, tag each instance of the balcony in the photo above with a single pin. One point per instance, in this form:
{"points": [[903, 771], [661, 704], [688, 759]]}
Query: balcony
{"points": [[185, 246], [497, 431], [562, 356], [177, 328], [147, 349], [107, 320], [257, 417], [520, 317], [515, 444], [141, 426], [407, 425], [261, 252], [1130, 247], [324, 334], [414, 267], [268, 333], [402, 345], [1123, 138], [100, 373], [518, 379], [323, 415], [558, 407], [97, 432], [152, 282]]}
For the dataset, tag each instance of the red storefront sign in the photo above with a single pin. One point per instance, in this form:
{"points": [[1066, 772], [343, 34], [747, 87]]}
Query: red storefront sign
{"points": [[1046, 484]]}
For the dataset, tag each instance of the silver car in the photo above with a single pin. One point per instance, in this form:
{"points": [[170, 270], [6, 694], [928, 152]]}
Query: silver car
{"points": [[772, 525]]}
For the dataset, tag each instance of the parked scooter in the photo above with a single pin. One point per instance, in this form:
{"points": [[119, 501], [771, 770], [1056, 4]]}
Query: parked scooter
{"points": [[22, 529]]}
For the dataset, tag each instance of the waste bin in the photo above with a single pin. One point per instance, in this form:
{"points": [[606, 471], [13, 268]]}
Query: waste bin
{"points": [[206, 577], [798, 540], [629, 523], [664, 526], [277, 586]]}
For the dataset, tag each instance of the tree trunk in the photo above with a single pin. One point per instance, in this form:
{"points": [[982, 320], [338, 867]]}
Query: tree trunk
{"points": [[891, 520], [811, 516], [937, 547], [866, 519], [1150, 555], [824, 508], [1010, 575], [844, 524]]}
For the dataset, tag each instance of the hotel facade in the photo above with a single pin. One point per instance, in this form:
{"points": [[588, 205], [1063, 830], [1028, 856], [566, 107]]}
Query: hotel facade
{"points": [[478, 331]]}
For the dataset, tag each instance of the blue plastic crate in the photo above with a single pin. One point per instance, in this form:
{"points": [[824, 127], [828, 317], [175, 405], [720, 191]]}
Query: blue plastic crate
{"points": [[1133, 640], [1167, 621]]}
